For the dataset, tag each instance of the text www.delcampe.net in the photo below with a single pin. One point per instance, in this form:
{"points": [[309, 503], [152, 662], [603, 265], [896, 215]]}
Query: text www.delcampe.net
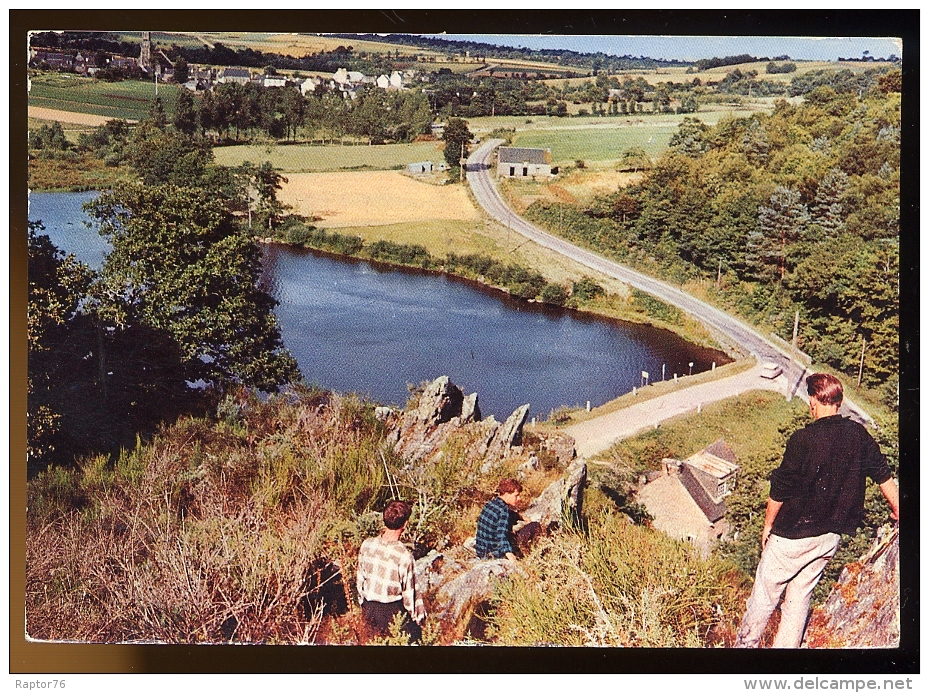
{"points": [[830, 684]]}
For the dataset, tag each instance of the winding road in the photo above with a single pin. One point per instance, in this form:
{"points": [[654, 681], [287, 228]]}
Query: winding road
{"points": [[480, 174]]}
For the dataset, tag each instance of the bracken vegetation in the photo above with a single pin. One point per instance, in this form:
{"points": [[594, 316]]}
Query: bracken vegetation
{"points": [[245, 526]]}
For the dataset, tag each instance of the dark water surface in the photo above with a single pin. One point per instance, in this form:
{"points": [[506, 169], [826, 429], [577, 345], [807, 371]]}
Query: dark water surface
{"points": [[357, 327]]}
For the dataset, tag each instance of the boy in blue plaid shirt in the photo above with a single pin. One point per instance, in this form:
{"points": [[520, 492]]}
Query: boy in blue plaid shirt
{"points": [[495, 523]]}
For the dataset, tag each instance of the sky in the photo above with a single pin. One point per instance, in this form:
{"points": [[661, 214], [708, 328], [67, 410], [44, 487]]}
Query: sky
{"points": [[696, 47]]}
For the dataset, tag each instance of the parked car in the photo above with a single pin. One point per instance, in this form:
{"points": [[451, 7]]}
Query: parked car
{"points": [[770, 370]]}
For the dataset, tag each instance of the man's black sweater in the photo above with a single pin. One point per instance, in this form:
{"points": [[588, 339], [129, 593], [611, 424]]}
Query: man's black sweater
{"points": [[821, 480]]}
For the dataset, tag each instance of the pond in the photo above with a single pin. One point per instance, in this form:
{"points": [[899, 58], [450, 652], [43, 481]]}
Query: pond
{"points": [[357, 327]]}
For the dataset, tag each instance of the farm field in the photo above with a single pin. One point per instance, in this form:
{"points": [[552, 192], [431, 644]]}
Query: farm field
{"points": [[372, 198], [573, 186], [598, 144], [70, 121], [127, 100], [305, 158], [298, 45]]}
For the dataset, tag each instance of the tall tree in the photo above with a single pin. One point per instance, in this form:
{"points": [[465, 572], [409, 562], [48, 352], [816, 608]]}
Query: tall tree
{"points": [[181, 265], [456, 139], [56, 286], [181, 71], [781, 224], [185, 112], [156, 113], [691, 138], [828, 208]]}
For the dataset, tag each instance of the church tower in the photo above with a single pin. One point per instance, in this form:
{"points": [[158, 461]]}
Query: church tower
{"points": [[145, 59]]}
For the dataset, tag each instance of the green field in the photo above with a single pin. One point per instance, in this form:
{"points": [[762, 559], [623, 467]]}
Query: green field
{"points": [[603, 139], [128, 100], [303, 158], [597, 143]]}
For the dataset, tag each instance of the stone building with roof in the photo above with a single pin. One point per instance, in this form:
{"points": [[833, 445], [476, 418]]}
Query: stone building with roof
{"points": [[687, 498], [522, 162]]}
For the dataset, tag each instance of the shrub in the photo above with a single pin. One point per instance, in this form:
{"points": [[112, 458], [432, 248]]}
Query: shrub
{"points": [[619, 585], [553, 294], [586, 290], [412, 255]]}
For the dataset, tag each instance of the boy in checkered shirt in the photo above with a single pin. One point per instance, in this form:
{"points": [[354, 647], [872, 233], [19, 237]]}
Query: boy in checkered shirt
{"points": [[386, 578]]}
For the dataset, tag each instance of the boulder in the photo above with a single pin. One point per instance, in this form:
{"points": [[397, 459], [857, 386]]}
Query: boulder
{"points": [[459, 583], [562, 447], [562, 498], [863, 609]]}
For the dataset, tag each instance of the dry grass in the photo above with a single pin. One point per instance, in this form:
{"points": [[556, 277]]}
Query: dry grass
{"points": [[372, 198], [52, 114]]}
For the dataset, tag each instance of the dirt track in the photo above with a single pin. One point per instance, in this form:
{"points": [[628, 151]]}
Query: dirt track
{"points": [[373, 198], [66, 116]]}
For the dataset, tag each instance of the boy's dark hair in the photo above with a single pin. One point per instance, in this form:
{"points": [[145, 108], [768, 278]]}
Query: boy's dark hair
{"points": [[826, 388], [396, 514], [508, 486]]}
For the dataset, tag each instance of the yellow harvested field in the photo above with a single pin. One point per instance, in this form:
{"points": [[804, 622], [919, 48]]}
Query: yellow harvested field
{"points": [[66, 116], [373, 198]]}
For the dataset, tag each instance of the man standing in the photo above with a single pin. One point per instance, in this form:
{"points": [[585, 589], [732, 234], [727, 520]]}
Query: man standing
{"points": [[386, 578], [495, 523], [816, 495]]}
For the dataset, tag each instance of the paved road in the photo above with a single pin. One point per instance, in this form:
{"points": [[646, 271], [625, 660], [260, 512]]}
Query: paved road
{"points": [[480, 174], [600, 433]]}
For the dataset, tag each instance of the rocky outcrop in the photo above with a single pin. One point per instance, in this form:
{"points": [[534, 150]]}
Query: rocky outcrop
{"points": [[563, 498], [443, 410], [863, 609]]}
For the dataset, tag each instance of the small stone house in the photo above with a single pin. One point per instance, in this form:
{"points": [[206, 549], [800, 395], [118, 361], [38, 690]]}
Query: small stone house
{"points": [[420, 167], [522, 162], [238, 75], [687, 499]]}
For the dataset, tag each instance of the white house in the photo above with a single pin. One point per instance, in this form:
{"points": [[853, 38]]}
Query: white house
{"points": [[522, 162], [274, 81]]}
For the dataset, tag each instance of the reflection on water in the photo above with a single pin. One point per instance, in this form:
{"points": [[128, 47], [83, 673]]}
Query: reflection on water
{"points": [[356, 327]]}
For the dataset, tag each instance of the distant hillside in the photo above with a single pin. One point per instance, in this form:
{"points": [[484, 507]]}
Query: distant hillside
{"points": [[568, 58]]}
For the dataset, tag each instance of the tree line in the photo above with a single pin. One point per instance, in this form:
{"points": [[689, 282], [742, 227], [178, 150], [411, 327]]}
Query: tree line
{"points": [[236, 111]]}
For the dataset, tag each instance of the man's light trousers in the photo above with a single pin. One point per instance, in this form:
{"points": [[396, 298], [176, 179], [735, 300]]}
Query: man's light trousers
{"points": [[791, 567]]}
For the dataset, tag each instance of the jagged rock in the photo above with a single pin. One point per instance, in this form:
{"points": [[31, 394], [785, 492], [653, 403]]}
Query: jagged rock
{"points": [[510, 433], [441, 411], [564, 496], [863, 609], [470, 411], [504, 438], [440, 402]]}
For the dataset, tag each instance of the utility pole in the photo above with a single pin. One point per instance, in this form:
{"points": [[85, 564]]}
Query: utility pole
{"points": [[861, 363], [719, 275], [461, 165]]}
